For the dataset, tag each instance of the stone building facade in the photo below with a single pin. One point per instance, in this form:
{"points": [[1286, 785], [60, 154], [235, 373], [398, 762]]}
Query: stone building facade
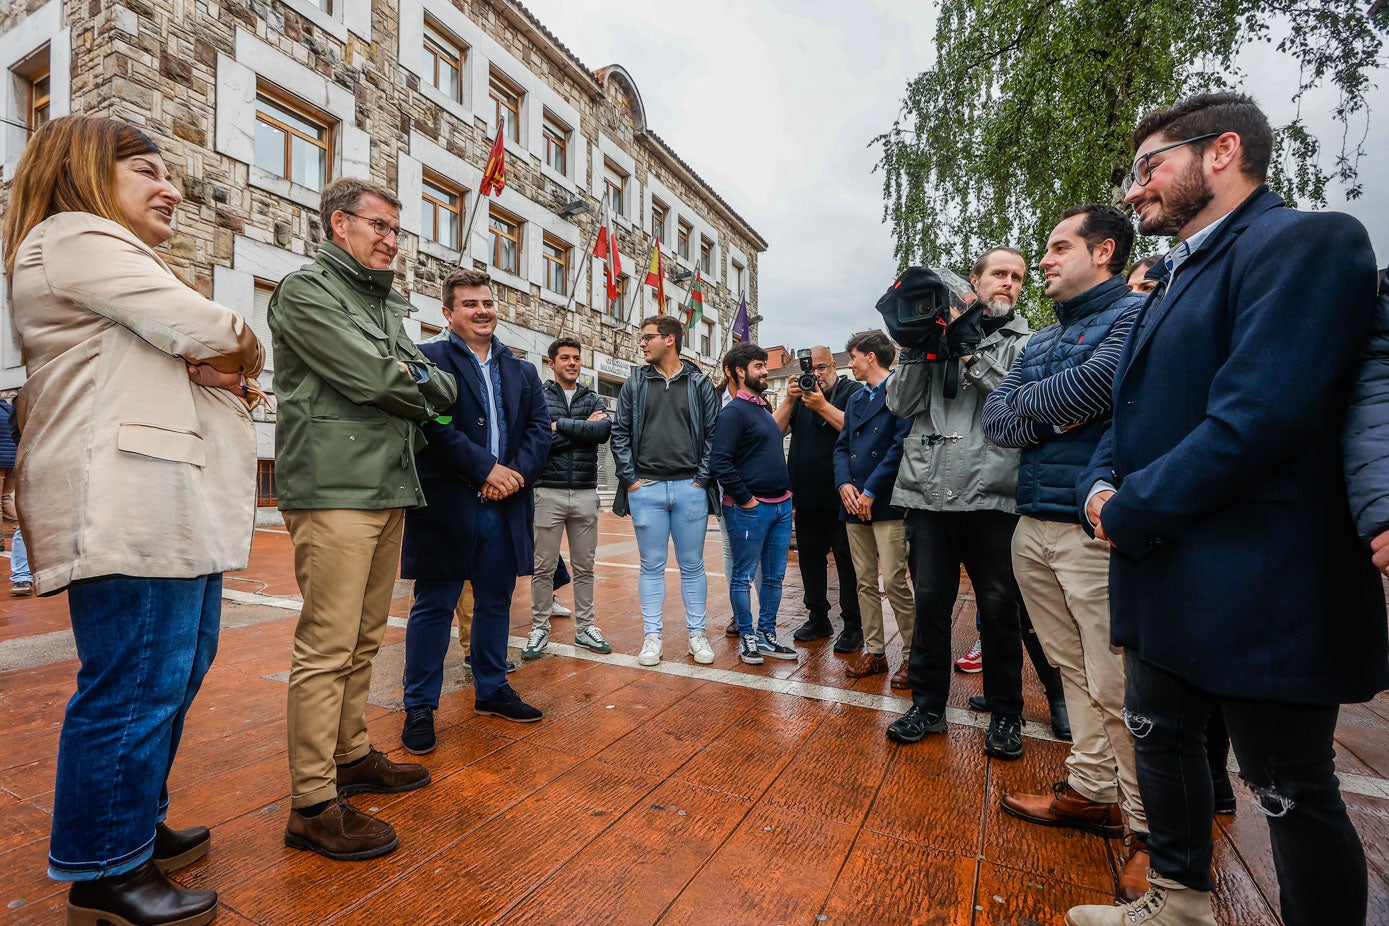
{"points": [[257, 103]]}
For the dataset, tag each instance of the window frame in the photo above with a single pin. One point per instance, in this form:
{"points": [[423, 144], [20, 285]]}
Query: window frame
{"points": [[553, 261], [556, 136], [495, 214], [615, 187], [265, 480], [284, 100], [435, 34], [660, 212], [682, 245], [430, 206], [497, 81], [616, 309], [706, 256], [37, 101]]}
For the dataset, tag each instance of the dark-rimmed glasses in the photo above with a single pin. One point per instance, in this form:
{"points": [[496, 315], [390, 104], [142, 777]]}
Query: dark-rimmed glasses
{"points": [[1142, 171], [380, 226]]}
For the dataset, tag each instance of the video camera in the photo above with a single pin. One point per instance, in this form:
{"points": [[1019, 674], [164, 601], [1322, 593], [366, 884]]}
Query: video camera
{"points": [[936, 312], [808, 381]]}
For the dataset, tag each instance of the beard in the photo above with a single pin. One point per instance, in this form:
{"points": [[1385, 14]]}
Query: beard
{"points": [[1184, 199], [997, 309], [758, 386]]}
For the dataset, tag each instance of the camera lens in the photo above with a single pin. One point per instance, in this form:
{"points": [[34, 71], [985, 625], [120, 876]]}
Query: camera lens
{"points": [[808, 382]]}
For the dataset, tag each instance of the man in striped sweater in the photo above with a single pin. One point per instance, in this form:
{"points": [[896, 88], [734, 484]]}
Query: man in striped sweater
{"points": [[1054, 404]]}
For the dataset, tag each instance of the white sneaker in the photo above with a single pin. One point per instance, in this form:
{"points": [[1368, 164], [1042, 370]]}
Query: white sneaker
{"points": [[559, 610], [700, 650], [650, 650]]}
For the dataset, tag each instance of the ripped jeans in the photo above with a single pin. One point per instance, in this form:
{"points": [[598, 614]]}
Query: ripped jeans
{"points": [[1285, 754]]}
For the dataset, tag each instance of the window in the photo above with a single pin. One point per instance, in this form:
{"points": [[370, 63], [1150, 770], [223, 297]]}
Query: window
{"points": [[441, 211], [507, 97], [658, 220], [682, 246], [265, 484], [443, 61], [706, 255], [260, 318], [39, 99], [324, 5], [736, 284], [556, 145], [706, 338], [615, 185], [556, 255], [292, 141], [506, 241], [617, 307], [429, 332]]}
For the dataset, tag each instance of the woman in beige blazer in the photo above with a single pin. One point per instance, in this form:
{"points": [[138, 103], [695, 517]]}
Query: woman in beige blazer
{"points": [[136, 481]]}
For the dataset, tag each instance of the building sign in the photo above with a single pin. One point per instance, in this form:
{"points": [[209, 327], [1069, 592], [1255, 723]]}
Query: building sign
{"points": [[612, 366]]}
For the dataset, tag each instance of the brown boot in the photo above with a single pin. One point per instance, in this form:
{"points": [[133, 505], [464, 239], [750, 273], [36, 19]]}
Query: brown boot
{"points": [[1133, 879], [379, 775], [866, 664], [899, 678], [1066, 807], [341, 832]]}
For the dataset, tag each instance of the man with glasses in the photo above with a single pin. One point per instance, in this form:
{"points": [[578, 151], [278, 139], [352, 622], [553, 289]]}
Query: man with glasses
{"points": [[1236, 577], [662, 435], [352, 390], [815, 417]]}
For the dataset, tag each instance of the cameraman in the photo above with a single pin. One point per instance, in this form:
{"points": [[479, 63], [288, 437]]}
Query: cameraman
{"points": [[959, 491], [814, 418]]}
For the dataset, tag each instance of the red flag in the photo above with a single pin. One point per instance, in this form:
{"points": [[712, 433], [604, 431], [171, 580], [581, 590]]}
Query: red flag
{"points": [[606, 250], [656, 276], [494, 175]]}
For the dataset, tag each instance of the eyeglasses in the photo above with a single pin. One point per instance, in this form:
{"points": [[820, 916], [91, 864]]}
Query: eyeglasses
{"points": [[650, 337], [823, 367], [382, 228], [1143, 166]]}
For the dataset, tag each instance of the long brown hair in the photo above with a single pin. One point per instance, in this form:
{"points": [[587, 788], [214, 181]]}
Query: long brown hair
{"points": [[69, 166]]}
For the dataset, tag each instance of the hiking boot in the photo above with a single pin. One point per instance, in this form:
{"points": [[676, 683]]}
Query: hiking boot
{"points": [[418, 734], [700, 650], [1004, 739], [1167, 903], [536, 641], [591, 638], [650, 654], [913, 726]]}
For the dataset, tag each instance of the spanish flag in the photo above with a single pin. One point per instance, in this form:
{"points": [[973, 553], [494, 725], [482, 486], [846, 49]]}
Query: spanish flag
{"points": [[605, 249], [494, 175], [655, 276]]}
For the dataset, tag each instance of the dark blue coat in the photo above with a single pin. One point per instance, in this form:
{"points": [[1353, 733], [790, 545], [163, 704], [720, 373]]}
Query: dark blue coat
{"points": [[1367, 428], [439, 540], [1237, 566], [7, 444], [869, 451]]}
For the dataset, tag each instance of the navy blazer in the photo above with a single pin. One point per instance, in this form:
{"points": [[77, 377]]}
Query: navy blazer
{"points": [[439, 539], [869, 451], [1236, 562]]}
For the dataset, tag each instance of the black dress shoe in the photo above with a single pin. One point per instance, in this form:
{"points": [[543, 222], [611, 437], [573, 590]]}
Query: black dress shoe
{"points": [[1060, 719], [417, 736], [979, 703], [850, 640], [1225, 803], [173, 849], [508, 705], [814, 628], [142, 897]]}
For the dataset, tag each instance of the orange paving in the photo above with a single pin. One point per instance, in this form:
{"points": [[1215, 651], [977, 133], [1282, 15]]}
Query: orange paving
{"points": [[642, 798]]}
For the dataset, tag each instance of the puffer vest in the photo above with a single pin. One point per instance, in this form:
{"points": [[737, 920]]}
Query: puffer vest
{"points": [[1047, 473]]}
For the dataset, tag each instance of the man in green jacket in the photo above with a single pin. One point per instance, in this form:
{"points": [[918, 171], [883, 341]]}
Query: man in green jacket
{"points": [[352, 389]]}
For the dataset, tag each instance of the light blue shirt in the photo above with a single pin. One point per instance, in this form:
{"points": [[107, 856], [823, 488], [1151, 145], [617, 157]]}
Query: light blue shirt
{"points": [[494, 433]]}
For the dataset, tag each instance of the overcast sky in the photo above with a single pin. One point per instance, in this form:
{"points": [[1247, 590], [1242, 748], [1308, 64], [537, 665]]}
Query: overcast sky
{"points": [[775, 106]]}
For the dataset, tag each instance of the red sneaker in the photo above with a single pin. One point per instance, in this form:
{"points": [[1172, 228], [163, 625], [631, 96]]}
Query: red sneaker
{"points": [[972, 662]]}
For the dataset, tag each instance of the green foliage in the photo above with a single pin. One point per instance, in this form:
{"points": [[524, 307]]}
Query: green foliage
{"points": [[1029, 107]]}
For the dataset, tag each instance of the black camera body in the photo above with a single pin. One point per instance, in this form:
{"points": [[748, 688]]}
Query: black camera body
{"points": [[808, 381], [935, 312]]}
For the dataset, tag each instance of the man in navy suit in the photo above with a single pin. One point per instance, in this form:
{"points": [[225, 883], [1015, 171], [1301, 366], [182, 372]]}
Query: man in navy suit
{"points": [[866, 457], [484, 454], [1236, 577]]}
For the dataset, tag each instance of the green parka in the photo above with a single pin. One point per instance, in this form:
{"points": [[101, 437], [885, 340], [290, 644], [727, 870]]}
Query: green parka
{"points": [[346, 383]]}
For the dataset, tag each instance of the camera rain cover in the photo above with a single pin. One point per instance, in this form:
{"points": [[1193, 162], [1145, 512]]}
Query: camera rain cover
{"points": [[916, 307]]}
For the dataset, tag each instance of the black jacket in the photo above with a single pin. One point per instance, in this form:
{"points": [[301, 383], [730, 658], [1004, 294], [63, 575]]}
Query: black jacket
{"points": [[631, 409], [573, 460]]}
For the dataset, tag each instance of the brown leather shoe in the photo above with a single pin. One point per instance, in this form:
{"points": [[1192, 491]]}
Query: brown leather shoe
{"points": [[899, 678], [342, 832], [866, 664], [1066, 807], [379, 775], [1133, 879]]}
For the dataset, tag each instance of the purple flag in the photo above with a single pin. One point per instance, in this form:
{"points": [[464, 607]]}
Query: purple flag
{"points": [[741, 329]]}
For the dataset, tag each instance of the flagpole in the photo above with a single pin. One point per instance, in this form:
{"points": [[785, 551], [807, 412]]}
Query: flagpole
{"points": [[637, 295], [477, 203], [587, 259]]}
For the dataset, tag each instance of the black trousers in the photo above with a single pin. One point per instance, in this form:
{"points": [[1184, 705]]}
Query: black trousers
{"points": [[938, 544], [1285, 754], [819, 532]]}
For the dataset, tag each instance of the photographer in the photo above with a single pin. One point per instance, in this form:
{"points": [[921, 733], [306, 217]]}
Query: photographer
{"points": [[814, 417], [959, 491]]}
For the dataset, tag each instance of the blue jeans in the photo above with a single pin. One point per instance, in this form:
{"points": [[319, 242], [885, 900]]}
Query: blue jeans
{"points": [[662, 512], [761, 536], [493, 572], [144, 645], [19, 559]]}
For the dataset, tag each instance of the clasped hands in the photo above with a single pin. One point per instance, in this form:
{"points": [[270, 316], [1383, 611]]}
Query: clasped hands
{"points": [[855, 502], [502, 482]]}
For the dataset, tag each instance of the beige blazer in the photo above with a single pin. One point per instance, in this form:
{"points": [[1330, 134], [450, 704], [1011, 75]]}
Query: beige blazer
{"points": [[125, 466]]}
